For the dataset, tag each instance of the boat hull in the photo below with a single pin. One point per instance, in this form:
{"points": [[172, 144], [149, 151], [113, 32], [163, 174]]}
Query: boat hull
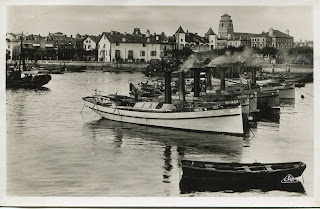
{"points": [[249, 172], [36, 82], [284, 93], [227, 121], [268, 100]]}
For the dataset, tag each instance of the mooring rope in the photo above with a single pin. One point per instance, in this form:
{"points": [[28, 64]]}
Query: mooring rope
{"points": [[304, 92]]}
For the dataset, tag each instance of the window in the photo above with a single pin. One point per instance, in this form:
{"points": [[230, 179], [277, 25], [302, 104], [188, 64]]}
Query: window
{"points": [[118, 56], [182, 40], [144, 45], [165, 47], [117, 44], [221, 24], [104, 46], [130, 54], [142, 53], [153, 53]]}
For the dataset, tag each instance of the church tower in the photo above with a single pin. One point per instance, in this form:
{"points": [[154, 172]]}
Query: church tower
{"points": [[226, 27]]}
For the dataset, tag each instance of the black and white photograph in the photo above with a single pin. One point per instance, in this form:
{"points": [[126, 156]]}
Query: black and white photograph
{"points": [[159, 104]]}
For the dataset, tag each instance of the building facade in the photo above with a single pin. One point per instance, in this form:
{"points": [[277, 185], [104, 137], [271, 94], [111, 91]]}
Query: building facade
{"points": [[194, 41], [273, 38], [135, 47]]}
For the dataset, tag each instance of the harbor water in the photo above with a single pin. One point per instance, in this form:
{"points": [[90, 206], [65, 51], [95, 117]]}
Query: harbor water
{"points": [[55, 147]]}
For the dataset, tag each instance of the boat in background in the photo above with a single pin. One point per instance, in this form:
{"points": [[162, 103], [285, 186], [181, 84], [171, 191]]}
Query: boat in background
{"points": [[286, 91], [74, 69], [19, 77], [56, 70]]}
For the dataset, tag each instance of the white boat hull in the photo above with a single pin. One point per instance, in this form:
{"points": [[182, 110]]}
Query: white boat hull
{"points": [[221, 120], [284, 92]]}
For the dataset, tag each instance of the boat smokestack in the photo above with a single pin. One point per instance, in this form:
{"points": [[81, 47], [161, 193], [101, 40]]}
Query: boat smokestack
{"points": [[196, 83], [182, 90], [222, 78], [254, 73], [167, 79], [208, 78]]}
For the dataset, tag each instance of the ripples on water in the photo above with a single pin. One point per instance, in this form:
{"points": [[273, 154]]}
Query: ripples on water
{"points": [[53, 150]]}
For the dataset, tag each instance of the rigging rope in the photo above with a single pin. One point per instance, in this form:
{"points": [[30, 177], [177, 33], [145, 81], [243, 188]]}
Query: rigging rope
{"points": [[304, 92]]}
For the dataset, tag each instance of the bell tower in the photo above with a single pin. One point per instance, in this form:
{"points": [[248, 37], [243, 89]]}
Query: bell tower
{"points": [[225, 27]]}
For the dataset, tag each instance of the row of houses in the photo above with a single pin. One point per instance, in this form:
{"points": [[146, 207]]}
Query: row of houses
{"points": [[114, 46]]}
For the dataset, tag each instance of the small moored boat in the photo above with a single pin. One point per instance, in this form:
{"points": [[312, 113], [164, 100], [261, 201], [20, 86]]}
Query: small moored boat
{"points": [[241, 171]]}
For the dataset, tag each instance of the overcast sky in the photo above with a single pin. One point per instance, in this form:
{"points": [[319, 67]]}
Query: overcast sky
{"points": [[94, 20]]}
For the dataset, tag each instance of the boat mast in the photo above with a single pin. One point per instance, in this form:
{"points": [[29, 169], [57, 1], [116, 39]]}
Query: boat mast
{"points": [[22, 55]]}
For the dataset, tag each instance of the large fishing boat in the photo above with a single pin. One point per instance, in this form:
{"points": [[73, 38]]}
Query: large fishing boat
{"points": [[195, 116]]}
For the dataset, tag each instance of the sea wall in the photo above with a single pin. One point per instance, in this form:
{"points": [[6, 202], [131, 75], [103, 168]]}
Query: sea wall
{"points": [[94, 65], [284, 68]]}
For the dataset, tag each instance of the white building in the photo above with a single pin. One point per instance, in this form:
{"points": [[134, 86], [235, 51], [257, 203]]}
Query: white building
{"points": [[90, 43], [136, 47], [194, 41]]}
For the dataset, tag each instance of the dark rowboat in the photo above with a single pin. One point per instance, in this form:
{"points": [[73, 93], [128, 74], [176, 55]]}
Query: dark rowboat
{"points": [[241, 171], [188, 185]]}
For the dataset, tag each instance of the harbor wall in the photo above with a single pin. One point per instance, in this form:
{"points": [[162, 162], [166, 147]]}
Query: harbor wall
{"points": [[284, 68], [94, 65]]}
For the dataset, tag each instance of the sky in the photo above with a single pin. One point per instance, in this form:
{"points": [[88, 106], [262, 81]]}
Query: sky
{"points": [[94, 20]]}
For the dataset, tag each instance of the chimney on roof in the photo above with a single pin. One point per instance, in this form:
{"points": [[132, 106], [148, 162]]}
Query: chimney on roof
{"points": [[157, 38], [125, 33], [111, 32], [136, 31], [271, 32], [287, 31], [148, 33], [123, 39], [188, 32], [148, 39]]}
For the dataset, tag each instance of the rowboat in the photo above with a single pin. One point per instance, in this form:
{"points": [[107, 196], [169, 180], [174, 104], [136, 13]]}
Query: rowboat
{"points": [[192, 117], [241, 171], [188, 185]]}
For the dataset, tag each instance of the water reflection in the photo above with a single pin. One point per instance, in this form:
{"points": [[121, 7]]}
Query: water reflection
{"points": [[181, 144], [270, 115], [188, 185], [287, 102], [192, 142], [167, 164]]}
